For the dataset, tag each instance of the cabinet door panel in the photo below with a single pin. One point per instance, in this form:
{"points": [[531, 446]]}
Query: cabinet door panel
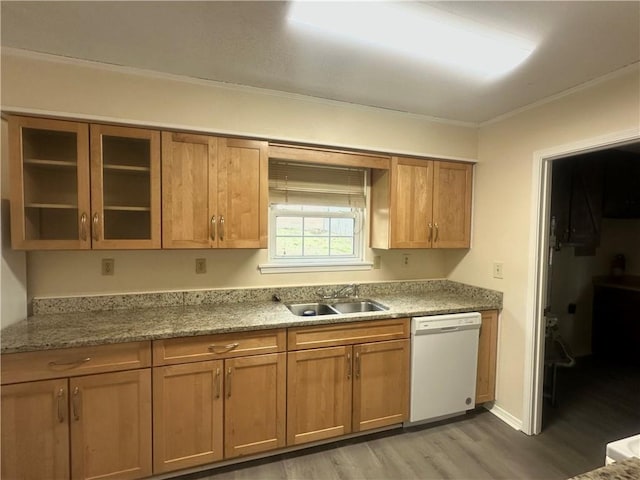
{"points": [[318, 394], [188, 415], [255, 404], [188, 190], [35, 430], [381, 384], [125, 187], [452, 205], [411, 203], [242, 193], [49, 170], [487, 350], [111, 425]]}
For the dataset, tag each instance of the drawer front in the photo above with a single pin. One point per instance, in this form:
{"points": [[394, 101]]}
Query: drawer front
{"points": [[212, 347], [347, 333], [71, 362]]}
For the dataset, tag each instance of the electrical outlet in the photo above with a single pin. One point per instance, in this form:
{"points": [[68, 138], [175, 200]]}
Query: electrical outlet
{"points": [[497, 270], [405, 260], [108, 266], [376, 262], [201, 265]]}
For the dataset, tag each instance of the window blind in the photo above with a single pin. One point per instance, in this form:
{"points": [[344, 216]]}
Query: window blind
{"points": [[309, 184]]}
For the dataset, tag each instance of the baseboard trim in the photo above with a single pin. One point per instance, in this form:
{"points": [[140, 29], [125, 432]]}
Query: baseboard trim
{"points": [[505, 416]]}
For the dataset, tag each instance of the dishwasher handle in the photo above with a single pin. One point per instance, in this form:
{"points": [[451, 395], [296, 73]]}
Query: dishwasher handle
{"points": [[448, 329]]}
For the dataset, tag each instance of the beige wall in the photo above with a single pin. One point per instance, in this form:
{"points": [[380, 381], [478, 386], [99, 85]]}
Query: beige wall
{"points": [[47, 84], [502, 215]]}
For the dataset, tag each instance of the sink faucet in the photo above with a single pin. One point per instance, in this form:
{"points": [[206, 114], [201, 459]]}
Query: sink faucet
{"points": [[350, 290]]}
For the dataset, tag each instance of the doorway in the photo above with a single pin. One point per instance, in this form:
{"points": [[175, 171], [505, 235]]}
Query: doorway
{"points": [[592, 370], [538, 291]]}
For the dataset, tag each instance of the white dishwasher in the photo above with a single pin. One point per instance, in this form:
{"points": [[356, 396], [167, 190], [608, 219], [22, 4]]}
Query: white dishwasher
{"points": [[444, 358]]}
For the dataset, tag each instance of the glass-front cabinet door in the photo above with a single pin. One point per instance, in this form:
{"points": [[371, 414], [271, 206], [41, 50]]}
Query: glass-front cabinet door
{"points": [[125, 187], [49, 175], [80, 186]]}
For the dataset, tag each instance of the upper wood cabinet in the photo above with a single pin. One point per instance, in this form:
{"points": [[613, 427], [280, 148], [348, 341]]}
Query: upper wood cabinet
{"points": [[65, 198], [125, 187], [214, 192], [49, 168], [421, 204]]}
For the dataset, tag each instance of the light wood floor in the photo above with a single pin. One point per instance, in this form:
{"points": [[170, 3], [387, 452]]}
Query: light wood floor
{"points": [[596, 405]]}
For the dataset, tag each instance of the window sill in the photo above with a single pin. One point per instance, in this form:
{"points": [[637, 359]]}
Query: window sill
{"points": [[302, 267]]}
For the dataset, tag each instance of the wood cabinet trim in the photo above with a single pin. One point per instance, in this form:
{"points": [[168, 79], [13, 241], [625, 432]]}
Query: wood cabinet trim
{"points": [[487, 357], [72, 362], [328, 157]]}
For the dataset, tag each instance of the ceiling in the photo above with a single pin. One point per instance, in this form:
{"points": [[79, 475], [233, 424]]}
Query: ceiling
{"points": [[250, 43]]}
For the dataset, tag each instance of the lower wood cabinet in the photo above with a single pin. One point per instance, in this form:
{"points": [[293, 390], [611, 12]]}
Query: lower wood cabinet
{"points": [[205, 411], [212, 397], [79, 413], [96, 426], [333, 391], [487, 353], [35, 430]]}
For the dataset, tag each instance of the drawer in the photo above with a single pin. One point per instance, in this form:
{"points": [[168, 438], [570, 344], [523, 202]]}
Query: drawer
{"points": [[212, 347], [71, 362], [347, 333]]}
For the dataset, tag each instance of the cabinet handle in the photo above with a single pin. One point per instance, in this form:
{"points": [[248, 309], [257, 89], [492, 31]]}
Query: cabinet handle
{"points": [[83, 226], [348, 366], [72, 362], [430, 231], [74, 403], [437, 233], [221, 227], [217, 383], [357, 364], [213, 228], [94, 228], [228, 383], [61, 404], [225, 348]]}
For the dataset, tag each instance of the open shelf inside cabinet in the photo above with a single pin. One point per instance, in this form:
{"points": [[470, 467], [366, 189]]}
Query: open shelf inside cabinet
{"points": [[51, 222]]}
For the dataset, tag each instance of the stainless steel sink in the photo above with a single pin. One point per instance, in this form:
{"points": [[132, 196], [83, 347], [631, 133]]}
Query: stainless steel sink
{"points": [[358, 306], [333, 308], [311, 309]]}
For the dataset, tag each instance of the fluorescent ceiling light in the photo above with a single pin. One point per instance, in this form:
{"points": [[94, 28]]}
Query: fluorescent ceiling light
{"points": [[419, 31]]}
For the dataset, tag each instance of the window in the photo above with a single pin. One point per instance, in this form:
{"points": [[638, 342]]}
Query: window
{"points": [[316, 217]]}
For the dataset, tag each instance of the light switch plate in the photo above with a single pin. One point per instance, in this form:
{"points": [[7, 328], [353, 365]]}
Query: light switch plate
{"points": [[498, 270]]}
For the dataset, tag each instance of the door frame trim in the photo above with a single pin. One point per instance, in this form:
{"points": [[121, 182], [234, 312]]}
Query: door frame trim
{"points": [[538, 271]]}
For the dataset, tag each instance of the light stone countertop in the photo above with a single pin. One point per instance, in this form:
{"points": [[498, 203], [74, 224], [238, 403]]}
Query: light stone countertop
{"points": [[75, 329]]}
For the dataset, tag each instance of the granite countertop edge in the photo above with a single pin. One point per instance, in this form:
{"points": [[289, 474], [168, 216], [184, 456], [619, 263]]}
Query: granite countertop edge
{"points": [[68, 330]]}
